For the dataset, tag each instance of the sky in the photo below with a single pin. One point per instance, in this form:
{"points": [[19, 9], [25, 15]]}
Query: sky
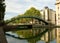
{"points": [[16, 7]]}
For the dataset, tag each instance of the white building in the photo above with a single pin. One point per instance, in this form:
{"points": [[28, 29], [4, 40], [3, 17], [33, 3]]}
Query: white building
{"points": [[50, 16], [58, 20]]}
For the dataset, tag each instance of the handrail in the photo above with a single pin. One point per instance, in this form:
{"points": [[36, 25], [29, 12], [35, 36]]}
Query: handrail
{"points": [[39, 19]]}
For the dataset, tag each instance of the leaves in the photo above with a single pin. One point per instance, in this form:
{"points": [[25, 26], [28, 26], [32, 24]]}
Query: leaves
{"points": [[32, 12]]}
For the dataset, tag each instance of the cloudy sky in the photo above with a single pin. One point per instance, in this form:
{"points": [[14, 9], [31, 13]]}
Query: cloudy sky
{"points": [[15, 7]]}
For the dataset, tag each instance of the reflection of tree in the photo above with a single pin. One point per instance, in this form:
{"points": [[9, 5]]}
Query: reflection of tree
{"points": [[27, 33]]}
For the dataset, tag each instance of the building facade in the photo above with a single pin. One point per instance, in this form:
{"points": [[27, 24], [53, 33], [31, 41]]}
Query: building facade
{"points": [[58, 20], [50, 16]]}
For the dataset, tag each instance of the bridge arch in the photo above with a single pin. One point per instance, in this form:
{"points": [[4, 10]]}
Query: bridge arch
{"points": [[39, 19]]}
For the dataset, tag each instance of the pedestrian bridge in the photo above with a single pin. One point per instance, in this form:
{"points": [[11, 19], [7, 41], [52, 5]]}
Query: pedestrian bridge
{"points": [[28, 26], [44, 30]]}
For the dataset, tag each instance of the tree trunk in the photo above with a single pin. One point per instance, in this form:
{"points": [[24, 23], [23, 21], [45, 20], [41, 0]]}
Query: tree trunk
{"points": [[2, 36]]}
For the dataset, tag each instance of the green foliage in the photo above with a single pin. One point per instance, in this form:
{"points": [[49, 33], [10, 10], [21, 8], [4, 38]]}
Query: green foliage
{"points": [[24, 33], [32, 12], [33, 40]]}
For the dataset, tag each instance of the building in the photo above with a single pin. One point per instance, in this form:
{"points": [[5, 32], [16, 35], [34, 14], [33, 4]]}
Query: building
{"points": [[50, 16], [58, 20]]}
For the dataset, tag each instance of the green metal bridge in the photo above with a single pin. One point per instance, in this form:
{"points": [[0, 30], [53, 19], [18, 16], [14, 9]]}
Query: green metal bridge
{"points": [[47, 27]]}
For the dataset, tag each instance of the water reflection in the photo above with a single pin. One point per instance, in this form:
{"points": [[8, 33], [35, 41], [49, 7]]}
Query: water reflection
{"points": [[41, 41], [13, 40]]}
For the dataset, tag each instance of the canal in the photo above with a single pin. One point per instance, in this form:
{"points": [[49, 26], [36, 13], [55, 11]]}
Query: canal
{"points": [[13, 40]]}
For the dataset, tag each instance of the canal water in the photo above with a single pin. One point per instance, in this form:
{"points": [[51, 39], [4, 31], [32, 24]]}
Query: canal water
{"points": [[14, 40]]}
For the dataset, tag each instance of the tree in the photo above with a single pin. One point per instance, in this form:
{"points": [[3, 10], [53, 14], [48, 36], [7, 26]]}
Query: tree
{"points": [[32, 12]]}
